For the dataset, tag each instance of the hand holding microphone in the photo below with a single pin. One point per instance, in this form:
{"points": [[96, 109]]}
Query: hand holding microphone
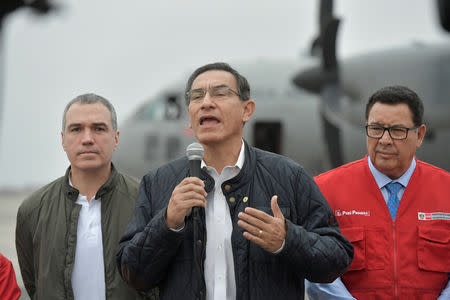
{"points": [[188, 193]]}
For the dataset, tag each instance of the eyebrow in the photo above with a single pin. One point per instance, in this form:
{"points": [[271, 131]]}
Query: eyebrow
{"points": [[384, 125], [213, 87], [96, 124]]}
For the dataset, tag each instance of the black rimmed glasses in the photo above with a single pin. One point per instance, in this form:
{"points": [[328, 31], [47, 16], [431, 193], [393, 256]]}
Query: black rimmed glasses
{"points": [[217, 93], [395, 132]]}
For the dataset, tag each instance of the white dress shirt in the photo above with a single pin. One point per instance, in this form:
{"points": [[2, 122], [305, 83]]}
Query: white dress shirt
{"points": [[219, 264], [88, 274]]}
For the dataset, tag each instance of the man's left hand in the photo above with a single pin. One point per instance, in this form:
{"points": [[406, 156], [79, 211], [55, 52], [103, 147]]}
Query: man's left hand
{"points": [[263, 229]]}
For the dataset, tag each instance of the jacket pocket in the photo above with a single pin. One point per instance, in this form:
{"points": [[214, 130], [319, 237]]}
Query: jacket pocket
{"points": [[356, 236], [433, 248], [376, 248]]}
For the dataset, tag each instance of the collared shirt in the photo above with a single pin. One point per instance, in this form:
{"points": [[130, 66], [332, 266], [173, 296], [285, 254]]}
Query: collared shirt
{"points": [[88, 274], [382, 180], [219, 264]]}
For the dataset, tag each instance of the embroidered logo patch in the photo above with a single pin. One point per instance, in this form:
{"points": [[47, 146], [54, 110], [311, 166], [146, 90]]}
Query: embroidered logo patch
{"points": [[341, 213], [433, 216]]}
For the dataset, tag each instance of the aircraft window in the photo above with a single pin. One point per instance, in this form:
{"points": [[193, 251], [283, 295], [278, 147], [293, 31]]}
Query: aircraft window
{"points": [[173, 108], [173, 147], [151, 147], [152, 110], [267, 136]]}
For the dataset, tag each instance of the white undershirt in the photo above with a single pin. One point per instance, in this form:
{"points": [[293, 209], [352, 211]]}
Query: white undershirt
{"points": [[88, 274], [219, 265]]}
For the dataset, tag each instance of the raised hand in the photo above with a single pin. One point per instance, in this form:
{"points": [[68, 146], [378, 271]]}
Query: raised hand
{"points": [[263, 229]]}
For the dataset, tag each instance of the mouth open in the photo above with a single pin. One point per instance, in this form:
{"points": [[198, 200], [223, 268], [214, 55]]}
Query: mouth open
{"points": [[209, 120]]}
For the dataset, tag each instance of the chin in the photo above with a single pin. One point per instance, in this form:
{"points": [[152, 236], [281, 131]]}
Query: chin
{"points": [[209, 139], [387, 169], [88, 165]]}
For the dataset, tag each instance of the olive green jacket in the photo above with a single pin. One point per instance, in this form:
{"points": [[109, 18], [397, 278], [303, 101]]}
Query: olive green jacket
{"points": [[46, 236]]}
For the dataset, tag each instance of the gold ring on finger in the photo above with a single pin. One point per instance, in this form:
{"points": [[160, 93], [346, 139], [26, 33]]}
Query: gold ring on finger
{"points": [[260, 232]]}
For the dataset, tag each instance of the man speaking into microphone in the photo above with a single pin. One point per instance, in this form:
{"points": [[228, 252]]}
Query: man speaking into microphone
{"points": [[262, 224]]}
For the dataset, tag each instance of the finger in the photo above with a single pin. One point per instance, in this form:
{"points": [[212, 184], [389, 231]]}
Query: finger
{"points": [[189, 195], [259, 214], [252, 220], [255, 239], [183, 205], [192, 180], [251, 232], [256, 231], [191, 203], [275, 208], [187, 187]]}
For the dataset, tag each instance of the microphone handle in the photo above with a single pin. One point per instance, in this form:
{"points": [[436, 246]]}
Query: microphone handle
{"points": [[194, 167]]}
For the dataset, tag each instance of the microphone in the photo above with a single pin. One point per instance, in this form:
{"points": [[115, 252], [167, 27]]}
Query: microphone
{"points": [[194, 153]]}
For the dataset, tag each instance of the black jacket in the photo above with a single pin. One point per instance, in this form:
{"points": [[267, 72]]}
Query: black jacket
{"points": [[150, 254]]}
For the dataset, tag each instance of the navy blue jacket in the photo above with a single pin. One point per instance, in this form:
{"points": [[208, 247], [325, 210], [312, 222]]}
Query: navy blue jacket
{"points": [[150, 254]]}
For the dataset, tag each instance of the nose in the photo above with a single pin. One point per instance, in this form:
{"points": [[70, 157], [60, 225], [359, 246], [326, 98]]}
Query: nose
{"points": [[207, 101], [385, 138], [87, 137]]}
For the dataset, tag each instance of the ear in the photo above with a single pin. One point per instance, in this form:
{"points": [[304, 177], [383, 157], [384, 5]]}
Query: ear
{"points": [[421, 130], [116, 139], [62, 141], [249, 109]]}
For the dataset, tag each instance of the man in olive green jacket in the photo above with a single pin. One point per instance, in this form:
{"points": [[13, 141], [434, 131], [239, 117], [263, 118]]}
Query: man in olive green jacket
{"points": [[68, 231]]}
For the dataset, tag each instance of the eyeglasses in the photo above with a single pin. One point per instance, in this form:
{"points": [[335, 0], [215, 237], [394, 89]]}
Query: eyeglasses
{"points": [[395, 132], [216, 93]]}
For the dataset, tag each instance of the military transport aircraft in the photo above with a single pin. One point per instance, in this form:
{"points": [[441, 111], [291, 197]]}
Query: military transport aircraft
{"points": [[311, 111]]}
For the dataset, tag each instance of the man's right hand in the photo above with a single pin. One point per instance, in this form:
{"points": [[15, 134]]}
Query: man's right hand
{"points": [[189, 193]]}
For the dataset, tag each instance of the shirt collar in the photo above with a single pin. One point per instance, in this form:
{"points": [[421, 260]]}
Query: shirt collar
{"points": [[381, 179], [240, 161]]}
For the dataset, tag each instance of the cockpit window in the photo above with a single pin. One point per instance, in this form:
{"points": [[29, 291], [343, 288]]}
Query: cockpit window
{"points": [[173, 108], [152, 110], [164, 108]]}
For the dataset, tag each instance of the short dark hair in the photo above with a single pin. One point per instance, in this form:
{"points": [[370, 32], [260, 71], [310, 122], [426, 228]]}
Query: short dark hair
{"points": [[395, 95], [91, 99], [241, 81]]}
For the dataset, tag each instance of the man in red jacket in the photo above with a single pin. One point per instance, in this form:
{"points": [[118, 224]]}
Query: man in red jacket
{"points": [[8, 285], [394, 209]]}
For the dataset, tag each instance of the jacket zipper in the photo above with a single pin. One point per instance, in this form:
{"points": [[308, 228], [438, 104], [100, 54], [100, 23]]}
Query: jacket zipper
{"points": [[395, 260], [201, 265]]}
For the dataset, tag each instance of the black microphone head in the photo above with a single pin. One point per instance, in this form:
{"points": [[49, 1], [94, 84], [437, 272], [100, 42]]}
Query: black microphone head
{"points": [[195, 151]]}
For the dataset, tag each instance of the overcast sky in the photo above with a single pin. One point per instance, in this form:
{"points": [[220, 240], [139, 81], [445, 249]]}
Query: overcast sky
{"points": [[127, 51]]}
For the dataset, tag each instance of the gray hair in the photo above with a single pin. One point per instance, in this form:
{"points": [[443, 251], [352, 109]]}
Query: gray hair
{"points": [[91, 99]]}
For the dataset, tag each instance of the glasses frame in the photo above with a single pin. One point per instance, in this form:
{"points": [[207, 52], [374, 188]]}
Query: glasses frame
{"points": [[388, 129], [209, 91]]}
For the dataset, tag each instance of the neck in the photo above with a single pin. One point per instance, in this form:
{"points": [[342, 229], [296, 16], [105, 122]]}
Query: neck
{"points": [[88, 182], [220, 156]]}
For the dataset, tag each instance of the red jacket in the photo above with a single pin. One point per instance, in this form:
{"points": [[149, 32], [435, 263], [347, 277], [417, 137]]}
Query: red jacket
{"points": [[401, 259], [8, 285]]}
